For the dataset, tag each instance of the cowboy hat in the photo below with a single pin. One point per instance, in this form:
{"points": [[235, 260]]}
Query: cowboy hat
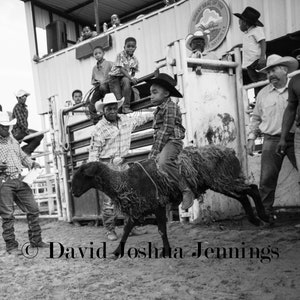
{"points": [[296, 53], [166, 81], [21, 93], [276, 60], [199, 34], [251, 16], [5, 120], [109, 98]]}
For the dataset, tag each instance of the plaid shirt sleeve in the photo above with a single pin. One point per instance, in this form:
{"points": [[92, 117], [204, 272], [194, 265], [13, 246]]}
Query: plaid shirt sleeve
{"points": [[97, 144], [136, 65], [167, 116], [20, 115]]}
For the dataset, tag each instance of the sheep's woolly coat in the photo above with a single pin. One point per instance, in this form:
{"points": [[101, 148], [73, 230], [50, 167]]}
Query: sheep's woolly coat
{"points": [[131, 190], [212, 167], [135, 194]]}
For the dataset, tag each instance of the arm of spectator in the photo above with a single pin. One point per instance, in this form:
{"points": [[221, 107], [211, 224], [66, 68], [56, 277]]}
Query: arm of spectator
{"points": [[126, 74], [262, 60], [139, 118], [255, 122]]}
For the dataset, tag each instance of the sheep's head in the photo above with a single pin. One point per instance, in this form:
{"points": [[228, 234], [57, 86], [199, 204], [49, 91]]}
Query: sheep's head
{"points": [[83, 179]]}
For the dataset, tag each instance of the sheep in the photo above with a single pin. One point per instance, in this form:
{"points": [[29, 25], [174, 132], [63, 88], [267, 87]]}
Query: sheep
{"points": [[144, 189]]}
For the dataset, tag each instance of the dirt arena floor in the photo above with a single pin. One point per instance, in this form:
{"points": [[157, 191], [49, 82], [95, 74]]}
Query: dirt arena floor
{"points": [[267, 266]]}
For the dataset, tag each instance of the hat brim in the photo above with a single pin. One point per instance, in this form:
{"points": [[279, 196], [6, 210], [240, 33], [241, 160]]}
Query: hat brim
{"points": [[191, 37], [173, 91], [257, 23], [99, 105], [8, 123], [291, 64], [21, 95]]}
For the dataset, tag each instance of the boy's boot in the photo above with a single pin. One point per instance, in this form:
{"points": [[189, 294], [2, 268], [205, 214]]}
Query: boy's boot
{"points": [[188, 196]]}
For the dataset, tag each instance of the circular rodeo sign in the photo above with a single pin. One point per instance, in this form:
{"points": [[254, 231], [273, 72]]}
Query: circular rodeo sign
{"points": [[212, 15]]}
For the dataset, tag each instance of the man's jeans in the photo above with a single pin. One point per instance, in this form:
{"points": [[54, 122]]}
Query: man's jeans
{"points": [[15, 190], [297, 148], [271, 163]]}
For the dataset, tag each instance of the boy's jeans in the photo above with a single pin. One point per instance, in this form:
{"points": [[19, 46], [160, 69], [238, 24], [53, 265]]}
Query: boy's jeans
{"points": [[15, 190], [121, 87]]}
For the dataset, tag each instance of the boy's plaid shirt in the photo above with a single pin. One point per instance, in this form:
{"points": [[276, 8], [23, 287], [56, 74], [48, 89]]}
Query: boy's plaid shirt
{"points": [[110, 140], [167, 125], [13, 156], [129, 63]]}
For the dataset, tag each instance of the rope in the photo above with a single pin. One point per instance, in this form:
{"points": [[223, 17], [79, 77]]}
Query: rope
{"points": [[156, 189]]}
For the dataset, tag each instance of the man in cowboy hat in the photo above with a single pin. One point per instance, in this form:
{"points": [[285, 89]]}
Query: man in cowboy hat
{"points": [[110, 140], [254, 43], [267, 118], [168, 132], [20, 130], [13, 189], [291, 114]]}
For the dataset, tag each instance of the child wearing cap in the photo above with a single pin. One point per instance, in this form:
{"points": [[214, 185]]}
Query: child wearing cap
{"points": [[168, 132], [198, 43], [20, 130]]}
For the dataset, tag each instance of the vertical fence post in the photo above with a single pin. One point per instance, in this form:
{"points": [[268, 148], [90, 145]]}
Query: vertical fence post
{"points": [[52, 111], [242, 153]]}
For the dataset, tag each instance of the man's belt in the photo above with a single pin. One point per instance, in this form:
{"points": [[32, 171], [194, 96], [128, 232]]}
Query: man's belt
{"points": [[4, 178]]}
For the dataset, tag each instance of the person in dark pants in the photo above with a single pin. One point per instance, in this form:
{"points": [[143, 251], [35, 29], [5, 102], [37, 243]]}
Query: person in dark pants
{"points": [[168, 132], [267, 117], [13, 189], [110, 139], [99, 80], [20, 130]]}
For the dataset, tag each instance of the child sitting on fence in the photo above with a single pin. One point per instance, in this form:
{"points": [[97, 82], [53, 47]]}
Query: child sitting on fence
{"points": [[100, 78], [122, 74]]}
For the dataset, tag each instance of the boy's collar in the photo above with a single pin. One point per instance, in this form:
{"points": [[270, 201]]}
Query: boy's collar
{"points": [[127, 55], [164, 103], [99, 62]]}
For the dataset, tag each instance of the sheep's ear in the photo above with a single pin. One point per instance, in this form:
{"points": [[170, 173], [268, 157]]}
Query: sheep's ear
{"points": [[91, 170]]}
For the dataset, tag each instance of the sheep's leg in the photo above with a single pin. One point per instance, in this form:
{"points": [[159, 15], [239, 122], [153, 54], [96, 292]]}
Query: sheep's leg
{"points": [[254, 194], [161, 218], [243, 199], [127, 229]]}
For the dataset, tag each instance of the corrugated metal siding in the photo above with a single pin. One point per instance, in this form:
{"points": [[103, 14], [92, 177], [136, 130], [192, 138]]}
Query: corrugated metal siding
{"points": [[62, 73]]}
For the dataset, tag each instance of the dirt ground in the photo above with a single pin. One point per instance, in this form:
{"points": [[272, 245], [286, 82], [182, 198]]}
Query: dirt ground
{"points": [[268, 266]]}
